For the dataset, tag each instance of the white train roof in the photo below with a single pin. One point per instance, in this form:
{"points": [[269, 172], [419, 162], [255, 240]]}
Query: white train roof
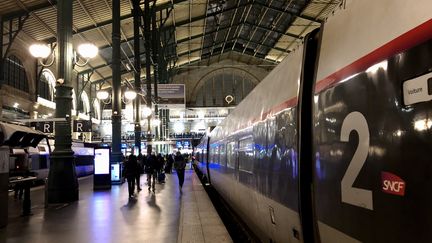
{"points": [[277, 91]]}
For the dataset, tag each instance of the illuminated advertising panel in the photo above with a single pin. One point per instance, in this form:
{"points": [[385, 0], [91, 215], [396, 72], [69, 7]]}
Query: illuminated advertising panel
{"points": [[102, 161], [115, 173]]}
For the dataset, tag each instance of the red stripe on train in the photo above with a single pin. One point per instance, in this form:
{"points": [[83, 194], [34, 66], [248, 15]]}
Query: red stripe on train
{"points": [[282, 106], [402, 43], [276, 109]]}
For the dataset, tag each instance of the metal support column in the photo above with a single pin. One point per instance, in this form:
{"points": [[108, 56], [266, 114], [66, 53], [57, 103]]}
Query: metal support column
{"points": [[167, 126], [1, 52], [147, 43], [1, 63], [137, 22], [62, 182], [116, 155], [155, 49]]}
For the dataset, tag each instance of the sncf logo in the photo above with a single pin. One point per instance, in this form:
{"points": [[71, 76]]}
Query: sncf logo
{"points": [[392, 184]]}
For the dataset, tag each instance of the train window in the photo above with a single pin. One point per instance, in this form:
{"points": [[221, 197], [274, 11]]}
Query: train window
{"points": [[222, 153], [214, 154], [246, 154], [204, 156], [231, 155]]}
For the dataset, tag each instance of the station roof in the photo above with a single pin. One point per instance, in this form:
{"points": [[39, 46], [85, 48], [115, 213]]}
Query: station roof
{"points": [[193, 33]]}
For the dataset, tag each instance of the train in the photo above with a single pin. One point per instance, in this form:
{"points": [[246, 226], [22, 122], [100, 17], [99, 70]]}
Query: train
{"points": [[333, 145], [26, 151], [39, 162]]}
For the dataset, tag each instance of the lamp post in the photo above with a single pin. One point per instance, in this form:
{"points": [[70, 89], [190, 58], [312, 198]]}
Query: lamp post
{"points": [[127, 97], [62, 180], [116, 154]]}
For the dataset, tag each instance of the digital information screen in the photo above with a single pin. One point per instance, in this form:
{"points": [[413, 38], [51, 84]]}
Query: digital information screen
{"points": [[102, 161], [186, 144], [115, 172]]}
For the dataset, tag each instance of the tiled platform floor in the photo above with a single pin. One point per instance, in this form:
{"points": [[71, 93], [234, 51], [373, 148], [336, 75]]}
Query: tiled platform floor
{"points": [[168, 215]]}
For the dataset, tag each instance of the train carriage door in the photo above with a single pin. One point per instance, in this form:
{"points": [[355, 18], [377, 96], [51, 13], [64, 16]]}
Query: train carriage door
{"points": [[208, 159], [305, 136]]}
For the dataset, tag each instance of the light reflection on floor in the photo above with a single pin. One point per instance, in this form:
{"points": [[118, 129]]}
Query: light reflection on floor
{"points": [[101, 216]]}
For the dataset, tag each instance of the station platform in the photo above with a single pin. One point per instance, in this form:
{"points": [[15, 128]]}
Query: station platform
{"points": [[168, 215]]}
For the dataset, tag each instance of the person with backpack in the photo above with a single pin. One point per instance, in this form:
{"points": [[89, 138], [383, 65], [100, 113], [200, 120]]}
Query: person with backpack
{"points": [[180, 165]]}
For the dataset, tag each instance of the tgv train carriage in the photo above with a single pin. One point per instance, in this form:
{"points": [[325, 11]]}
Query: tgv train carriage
{"points": [[372, 124], [333, 145]]}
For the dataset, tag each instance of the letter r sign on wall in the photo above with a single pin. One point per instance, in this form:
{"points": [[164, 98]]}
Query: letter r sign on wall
{"points": [[45, 127], [82, 126]]}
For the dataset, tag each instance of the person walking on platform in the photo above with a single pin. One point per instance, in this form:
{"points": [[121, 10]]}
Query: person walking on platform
{"points": [[140, 171], [159, 167], [150, 170], [131, 170], [179, 165], [169, 163]]}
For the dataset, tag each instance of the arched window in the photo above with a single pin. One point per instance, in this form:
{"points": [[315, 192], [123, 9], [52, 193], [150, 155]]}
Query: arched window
{"points": [[85, 103], [97, 109], [74, 108], [15, 74], [221, 83], [47, 85]]}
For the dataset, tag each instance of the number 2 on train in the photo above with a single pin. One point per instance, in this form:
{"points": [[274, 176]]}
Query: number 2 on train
{"points": [[355, 121]]}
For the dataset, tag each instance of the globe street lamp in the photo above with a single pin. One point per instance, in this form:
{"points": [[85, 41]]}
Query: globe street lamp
{"points": [[42, 51], [86, 51], [128, 96], [102, 95], [146, 111]]}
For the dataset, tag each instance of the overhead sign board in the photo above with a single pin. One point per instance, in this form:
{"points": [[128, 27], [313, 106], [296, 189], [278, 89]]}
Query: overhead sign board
{"points": [[82, 126], [171, 96]]}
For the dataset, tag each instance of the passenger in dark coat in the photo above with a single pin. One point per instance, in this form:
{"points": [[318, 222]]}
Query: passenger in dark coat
{"points": [[131, 170], [150, 170], [21, 170], [140, 171], [180, 165], [169, 165], [160, 163]]}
